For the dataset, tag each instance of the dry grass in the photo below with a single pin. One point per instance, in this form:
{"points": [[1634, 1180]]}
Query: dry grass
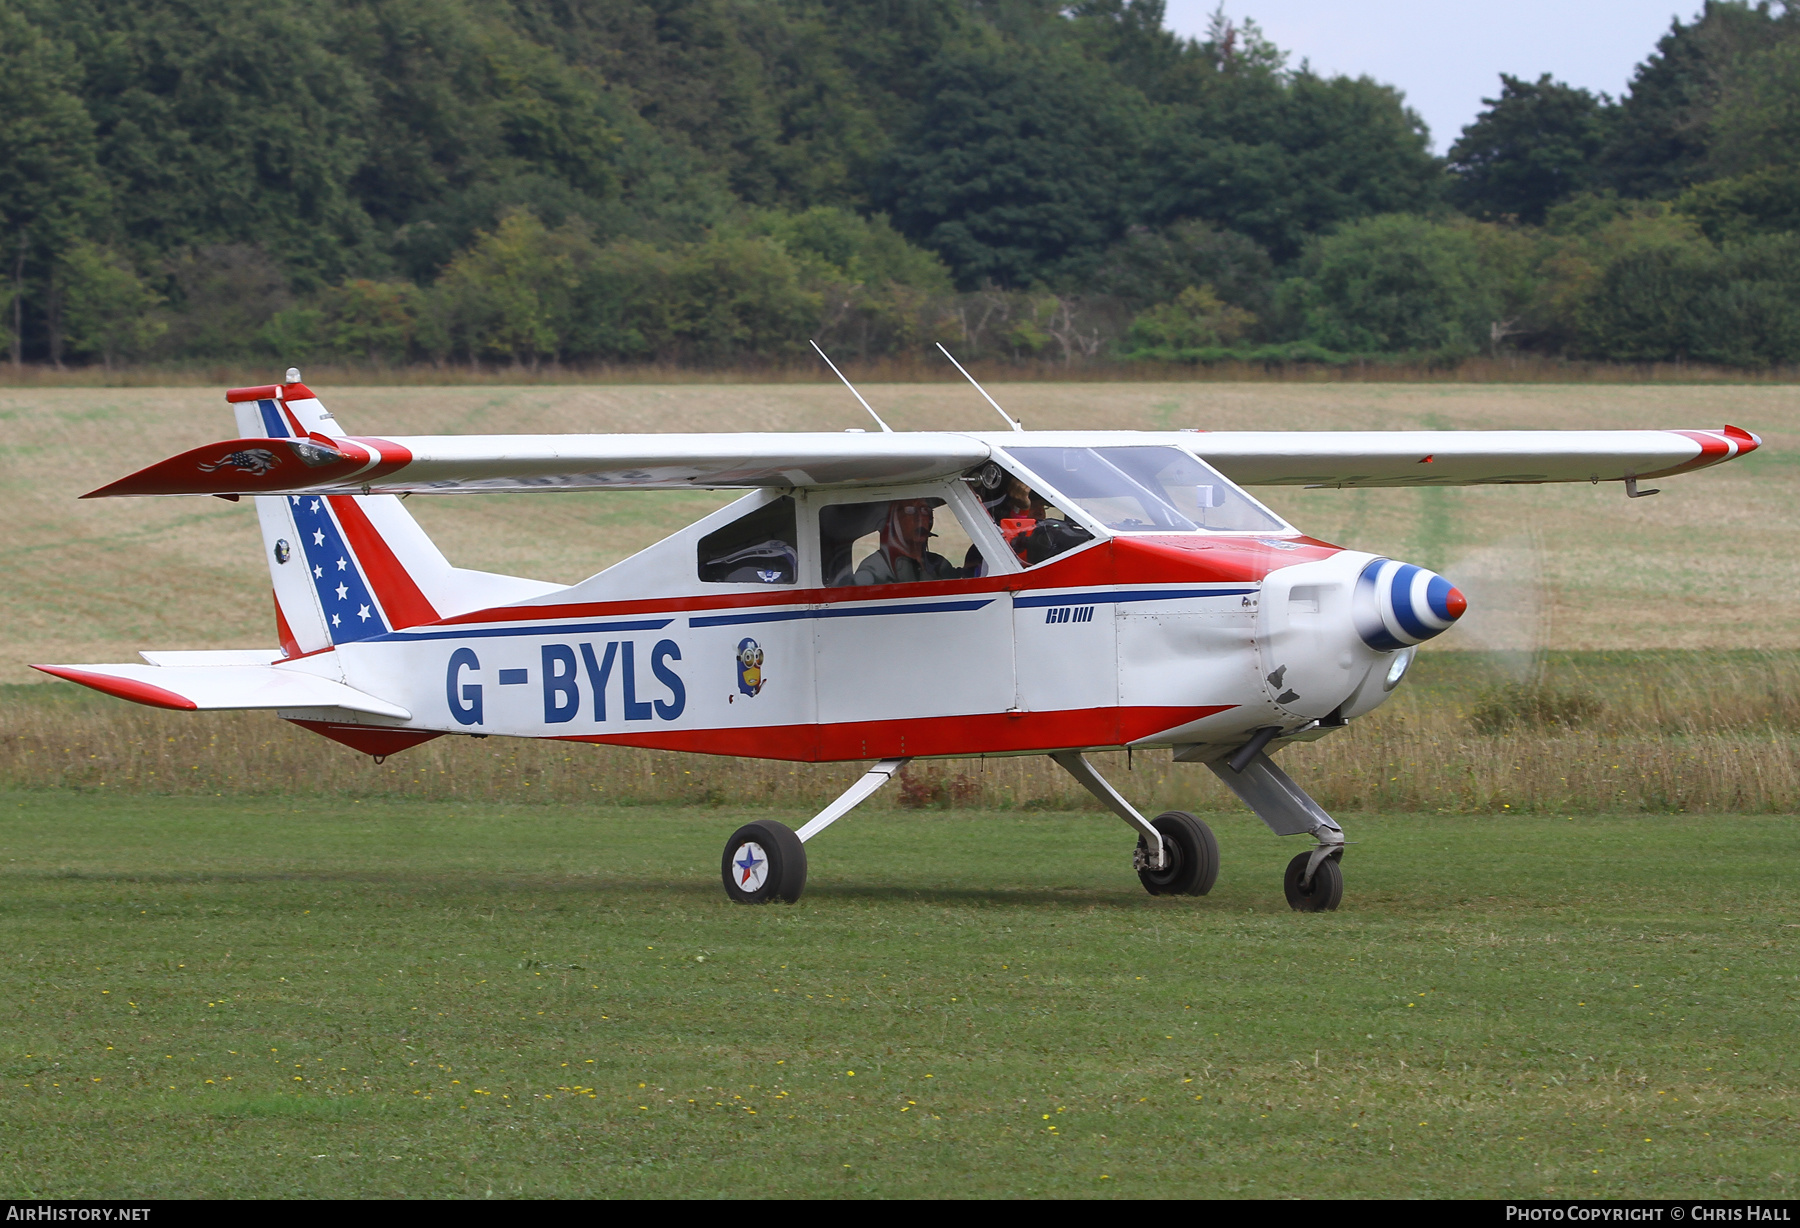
{"points": [[1678, 732]]}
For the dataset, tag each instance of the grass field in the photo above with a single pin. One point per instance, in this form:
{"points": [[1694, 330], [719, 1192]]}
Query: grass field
{"points": [[213, 997]]}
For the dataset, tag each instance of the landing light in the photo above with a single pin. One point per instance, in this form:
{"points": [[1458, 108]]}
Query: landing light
{"points": [[1402, 662]]}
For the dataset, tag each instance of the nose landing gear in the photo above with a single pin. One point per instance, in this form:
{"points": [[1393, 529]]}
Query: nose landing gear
{"points": [[1319, 890]]}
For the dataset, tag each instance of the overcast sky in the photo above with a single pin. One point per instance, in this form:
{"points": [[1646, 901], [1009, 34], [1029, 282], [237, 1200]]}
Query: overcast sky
{"points": [[1447, 57]]}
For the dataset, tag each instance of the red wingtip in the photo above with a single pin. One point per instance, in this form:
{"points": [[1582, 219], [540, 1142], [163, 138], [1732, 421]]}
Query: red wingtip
{"points": [[1746, 440], [122, 688], [242, 466]]}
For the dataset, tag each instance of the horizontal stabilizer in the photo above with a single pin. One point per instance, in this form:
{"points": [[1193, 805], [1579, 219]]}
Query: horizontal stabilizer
{"points": [[215, 656], [223, 687]]}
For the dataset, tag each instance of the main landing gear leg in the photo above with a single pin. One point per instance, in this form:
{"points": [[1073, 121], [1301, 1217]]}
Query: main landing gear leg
{"points": [[1176, 852], [1313, 880], [766, 860]]}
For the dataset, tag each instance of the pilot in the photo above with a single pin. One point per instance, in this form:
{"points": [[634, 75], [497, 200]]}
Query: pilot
{"points": [[903, 557]]}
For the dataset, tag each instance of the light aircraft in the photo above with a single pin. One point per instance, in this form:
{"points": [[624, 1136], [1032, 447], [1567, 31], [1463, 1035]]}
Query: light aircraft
{"points": [[872, 596]]}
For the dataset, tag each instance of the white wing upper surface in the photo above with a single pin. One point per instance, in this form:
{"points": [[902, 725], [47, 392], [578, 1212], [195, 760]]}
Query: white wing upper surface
{"points": [[428, 463], [445, 463], [1461, 458]]}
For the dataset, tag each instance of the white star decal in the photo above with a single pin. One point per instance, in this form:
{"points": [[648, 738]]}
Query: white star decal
{"points": [[363, 613], [341, 563], [313, 508], [317, 572], [318, 537], [335, 620], [342, 592], [296, 499]]}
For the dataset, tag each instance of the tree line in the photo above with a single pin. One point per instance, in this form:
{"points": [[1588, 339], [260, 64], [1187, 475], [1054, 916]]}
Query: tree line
{"points": [[716, 181]]}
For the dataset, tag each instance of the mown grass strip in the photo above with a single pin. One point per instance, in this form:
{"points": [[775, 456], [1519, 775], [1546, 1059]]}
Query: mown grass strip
{"points": [[287, 997]]}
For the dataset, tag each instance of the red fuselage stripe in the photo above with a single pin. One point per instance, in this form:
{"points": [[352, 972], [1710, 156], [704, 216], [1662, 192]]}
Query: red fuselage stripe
{"points": [[994, 733], [1137, 561]]}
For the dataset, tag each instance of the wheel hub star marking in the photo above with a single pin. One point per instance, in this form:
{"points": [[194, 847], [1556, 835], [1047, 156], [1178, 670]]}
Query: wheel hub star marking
{"points": [[748, 865]]}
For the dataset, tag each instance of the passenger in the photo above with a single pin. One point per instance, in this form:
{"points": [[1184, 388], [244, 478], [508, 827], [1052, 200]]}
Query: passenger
{"points": [[1024, 519], [1018, 511], [903, 557]]}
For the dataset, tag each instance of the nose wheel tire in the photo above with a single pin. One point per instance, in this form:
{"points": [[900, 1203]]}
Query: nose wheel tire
{"points": [[764, 862], [1192, 856], [1325, 891]]}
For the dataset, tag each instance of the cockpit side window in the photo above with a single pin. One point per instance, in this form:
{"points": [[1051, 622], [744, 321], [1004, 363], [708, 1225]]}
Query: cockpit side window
{"points": [[1196, 490], [910, 540], [761, 547], [1034, 528]]}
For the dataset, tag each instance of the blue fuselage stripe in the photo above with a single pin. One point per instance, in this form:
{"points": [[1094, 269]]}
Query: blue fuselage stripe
{"points": [[473, 633], [734, 620], [855, 611], [847, 611], [1154, 594]]}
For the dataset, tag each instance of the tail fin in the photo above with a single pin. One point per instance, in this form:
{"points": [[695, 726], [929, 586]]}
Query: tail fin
{"points": [[348, 567]]}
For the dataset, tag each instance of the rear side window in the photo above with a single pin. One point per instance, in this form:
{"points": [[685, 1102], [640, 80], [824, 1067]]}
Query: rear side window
{"points": [[761, 547]]}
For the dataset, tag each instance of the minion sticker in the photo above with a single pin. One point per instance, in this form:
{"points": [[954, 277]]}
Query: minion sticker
{"points": [[749, 666]]}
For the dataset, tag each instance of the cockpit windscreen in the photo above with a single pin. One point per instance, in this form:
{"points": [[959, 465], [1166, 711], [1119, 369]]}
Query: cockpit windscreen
{"points": [[1147, 489]]}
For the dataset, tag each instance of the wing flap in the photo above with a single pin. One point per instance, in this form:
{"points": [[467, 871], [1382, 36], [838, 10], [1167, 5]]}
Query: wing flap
{"points": [[209, 688]]}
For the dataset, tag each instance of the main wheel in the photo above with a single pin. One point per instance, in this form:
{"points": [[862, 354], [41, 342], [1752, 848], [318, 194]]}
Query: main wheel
{"points": [[1327, 888], [764, 861], [1194, 856]]}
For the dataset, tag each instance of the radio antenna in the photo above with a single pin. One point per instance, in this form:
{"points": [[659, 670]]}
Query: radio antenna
{"points": [[1010, 420], [853, 392]]}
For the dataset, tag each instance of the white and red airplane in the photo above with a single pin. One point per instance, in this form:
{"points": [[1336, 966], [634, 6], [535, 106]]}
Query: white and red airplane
{"points": [[872, 596]]}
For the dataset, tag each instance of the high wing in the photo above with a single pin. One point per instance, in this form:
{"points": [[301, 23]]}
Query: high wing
{"points": [[428, 463], [446, 463], [1462, 458]]}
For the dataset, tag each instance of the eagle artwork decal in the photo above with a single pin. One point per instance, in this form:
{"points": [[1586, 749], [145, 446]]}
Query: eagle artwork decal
{"points": [[255, 461]]}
